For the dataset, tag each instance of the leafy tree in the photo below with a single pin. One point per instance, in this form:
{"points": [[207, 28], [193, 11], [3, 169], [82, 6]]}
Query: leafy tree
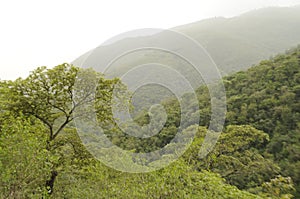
{"points": [[176, 181], [267, 98], [24, 162], [279, 187], [48, 95], [236, 156]]}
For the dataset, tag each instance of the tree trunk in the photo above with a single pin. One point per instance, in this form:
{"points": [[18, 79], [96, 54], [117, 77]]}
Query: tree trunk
{"points": [[50, 182]]}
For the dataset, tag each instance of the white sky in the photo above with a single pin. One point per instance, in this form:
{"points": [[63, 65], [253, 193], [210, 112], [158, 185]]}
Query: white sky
{"points": [[35, 32]]}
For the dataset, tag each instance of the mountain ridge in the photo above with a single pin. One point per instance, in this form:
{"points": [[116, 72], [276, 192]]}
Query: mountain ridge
{"points": [[234, 43]]}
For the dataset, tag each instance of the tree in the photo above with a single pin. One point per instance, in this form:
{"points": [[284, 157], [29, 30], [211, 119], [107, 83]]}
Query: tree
{"points": [[279, 187], [24, 161], [48, 95], [236, 156]]}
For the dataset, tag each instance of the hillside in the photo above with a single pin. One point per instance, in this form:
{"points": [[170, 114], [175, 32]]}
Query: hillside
{"points": [[265, 97], [239, 42], [256, 156], [261, 140], [234, 43]]}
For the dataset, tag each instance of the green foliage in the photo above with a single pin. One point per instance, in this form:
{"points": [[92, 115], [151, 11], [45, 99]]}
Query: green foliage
{"points": [[279, 187], [236, 156], [24, 163], [41, 153], [162, 138], [175, 181], [46, 94], [267, 98]]}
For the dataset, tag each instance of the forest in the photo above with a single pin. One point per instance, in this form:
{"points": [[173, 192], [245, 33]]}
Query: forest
{"points": [[256, 156]]}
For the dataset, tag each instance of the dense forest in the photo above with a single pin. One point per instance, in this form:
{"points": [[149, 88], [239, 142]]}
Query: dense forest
{"points": [[256, 156]]}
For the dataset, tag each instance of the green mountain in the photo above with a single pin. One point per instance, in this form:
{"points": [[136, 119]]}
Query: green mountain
{"points": [[267, 97], [261, 139], [239, 42], [256, 156], [233, 43]]}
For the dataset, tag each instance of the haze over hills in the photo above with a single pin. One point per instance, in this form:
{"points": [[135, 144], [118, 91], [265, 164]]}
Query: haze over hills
{"points": [[233, 43], [239, 42], [51, 146]]}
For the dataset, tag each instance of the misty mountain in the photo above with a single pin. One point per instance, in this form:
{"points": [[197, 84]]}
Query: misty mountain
{"points": [[239, 42], [233, 43]]}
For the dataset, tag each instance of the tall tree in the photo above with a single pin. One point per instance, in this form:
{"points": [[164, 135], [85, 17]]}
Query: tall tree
{"points": [[48, 95]]}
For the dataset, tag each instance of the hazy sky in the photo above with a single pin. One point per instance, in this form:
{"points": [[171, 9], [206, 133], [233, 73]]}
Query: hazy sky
{"points": [[35, 32]]}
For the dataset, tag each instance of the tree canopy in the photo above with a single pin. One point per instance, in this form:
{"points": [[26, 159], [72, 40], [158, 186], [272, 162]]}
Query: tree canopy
{"points": [[256, 156]]}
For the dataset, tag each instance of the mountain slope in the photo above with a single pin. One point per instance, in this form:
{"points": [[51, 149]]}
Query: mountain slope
{"points": [[266, 97], [233, 43], [237, 43]]}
